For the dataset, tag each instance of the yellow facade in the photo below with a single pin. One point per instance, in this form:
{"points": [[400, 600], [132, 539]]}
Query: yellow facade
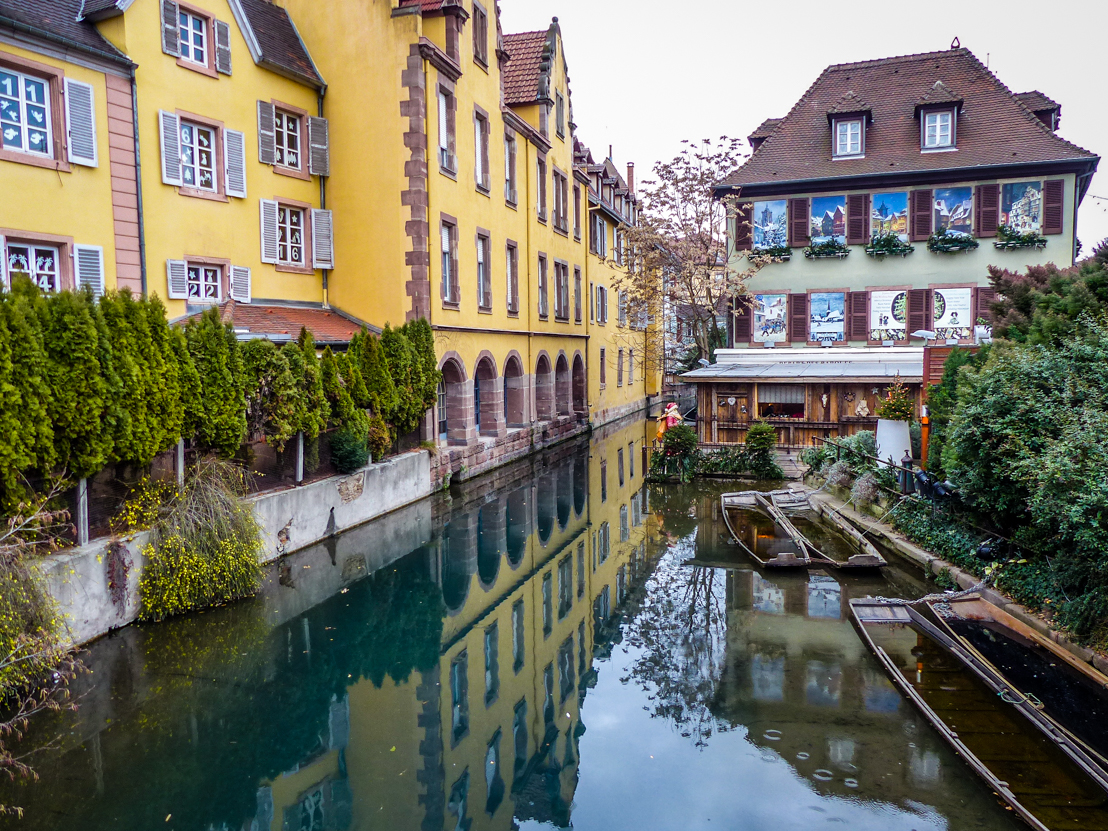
{"points": [[55, 206], [199, 226]]}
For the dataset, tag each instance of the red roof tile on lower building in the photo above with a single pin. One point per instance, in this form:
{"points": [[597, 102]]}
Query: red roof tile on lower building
{"points": [[283, 323]]}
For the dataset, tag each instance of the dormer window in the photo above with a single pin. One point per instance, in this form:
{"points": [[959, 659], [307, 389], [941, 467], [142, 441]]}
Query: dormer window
{"points": [[848, 137], [938, 129]]}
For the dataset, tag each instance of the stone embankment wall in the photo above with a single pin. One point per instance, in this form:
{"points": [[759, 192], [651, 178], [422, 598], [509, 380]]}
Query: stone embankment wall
{"points": [[292, 519]]}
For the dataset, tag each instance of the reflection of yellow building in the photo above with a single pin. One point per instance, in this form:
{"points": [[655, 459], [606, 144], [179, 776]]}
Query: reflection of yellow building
{"points": [[532, 577]]}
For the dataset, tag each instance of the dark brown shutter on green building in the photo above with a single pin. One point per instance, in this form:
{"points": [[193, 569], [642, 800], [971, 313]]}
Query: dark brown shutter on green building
{"points": [[798, 316], [857, 218], [857, 311], [1054, 192], [919, 315], [985, 299], [799, 222], [744, 216], [921, 214], [743, 323], [986, 210]]}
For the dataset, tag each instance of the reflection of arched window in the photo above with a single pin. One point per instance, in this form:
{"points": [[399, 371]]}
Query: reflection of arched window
{"points": [[565, 494], [494, 784], [455, 569], [488, 544], [544, 512], [515, 519], [580, 484]]}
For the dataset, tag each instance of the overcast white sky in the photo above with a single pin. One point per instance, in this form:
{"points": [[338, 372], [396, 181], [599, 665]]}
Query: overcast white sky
{"points": [[647, 73]]}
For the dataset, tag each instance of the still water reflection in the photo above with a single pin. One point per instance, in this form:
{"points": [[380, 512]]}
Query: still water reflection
{"points": [[543, 649]]}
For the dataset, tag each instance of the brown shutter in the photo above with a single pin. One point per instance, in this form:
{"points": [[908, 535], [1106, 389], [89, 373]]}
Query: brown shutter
{"points": [[985, 299], [799, 223], [986, 210], [798, 314], [744, 230], [858, 311], [1054, 192], [857, 218], [921, 214], [744, 324], [919, 316]]}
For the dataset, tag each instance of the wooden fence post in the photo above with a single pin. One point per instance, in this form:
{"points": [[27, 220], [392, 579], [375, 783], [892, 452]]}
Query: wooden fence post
{"points": [[180, 463], [82, 512], [300, 458]]}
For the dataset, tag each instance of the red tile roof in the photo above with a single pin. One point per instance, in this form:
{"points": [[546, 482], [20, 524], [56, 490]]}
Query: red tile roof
{"points": [[1037, 102], [60, 20], [424, 5], [279, 41], [997, 129], [282, 323], [525, 66]]}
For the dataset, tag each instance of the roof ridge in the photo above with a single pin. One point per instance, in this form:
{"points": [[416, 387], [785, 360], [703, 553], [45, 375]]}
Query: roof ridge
{"points": [[542, 32], [781, 121], [898, 58]]}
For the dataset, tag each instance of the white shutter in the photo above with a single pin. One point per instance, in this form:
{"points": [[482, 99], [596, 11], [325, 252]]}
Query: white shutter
{"points": [[269, 231], [323, 244], [240, 284], [88, 263], [222, 47], [234, 156], [171, 33], [80, 123], [171, 147], [319, 141], [177, 279], [267, 133]]}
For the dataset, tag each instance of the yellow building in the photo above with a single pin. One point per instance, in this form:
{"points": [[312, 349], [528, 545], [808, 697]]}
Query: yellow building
{"points": [[69, 213], [235, 155]]}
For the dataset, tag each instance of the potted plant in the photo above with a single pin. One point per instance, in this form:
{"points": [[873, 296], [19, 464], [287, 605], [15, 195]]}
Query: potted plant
{"points": [[830, 247], [883, 245], [1008, 238], [774, 253], [894, 414], [950, 242]]}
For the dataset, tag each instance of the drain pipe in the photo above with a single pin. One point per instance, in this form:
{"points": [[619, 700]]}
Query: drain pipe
{"points": [[138, 183]]}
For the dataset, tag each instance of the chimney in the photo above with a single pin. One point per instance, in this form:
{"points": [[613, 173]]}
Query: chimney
{"points": [[631, 176]]}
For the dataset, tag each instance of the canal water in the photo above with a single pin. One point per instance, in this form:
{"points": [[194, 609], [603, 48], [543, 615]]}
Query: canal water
{"points": [[553, 646]]}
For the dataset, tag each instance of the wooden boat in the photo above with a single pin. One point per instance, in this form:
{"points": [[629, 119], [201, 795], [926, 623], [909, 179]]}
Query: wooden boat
{"points": [[804, 553], [1047, 779], [1071, 692]]}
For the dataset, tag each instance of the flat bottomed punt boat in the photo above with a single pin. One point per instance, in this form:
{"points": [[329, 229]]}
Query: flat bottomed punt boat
{"points": [[1047, 780]]}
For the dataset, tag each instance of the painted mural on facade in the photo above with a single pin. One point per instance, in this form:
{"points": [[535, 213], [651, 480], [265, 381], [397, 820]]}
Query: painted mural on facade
{"points": [[1021, 206], [769, 318], [889, 214], [953, 313], [953, 211], [771, 228], [888, 316], [828, 220], [826, 315]]}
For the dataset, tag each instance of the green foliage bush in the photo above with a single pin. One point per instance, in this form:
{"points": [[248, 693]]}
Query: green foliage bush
{"points": [[218, 360], [205, 547], [349, 450], [897, 405], [682, 458]]}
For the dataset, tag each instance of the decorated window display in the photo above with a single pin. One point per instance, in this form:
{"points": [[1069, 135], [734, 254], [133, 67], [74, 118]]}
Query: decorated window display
{"points": [[1021, 206], [888, 316], [953, 211], [889, 215], [828, 220], [770, 323], [770, 221], [953, 313], [826, 314]]}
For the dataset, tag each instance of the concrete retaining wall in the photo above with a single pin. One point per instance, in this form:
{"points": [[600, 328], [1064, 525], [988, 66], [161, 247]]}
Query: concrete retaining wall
{"points": [[292, 519]]}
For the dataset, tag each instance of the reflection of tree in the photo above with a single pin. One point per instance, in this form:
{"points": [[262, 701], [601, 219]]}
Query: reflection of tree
{"points": [[680, 631]]}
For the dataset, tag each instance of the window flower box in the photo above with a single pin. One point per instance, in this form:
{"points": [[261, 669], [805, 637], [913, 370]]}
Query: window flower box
{"points": [[888, 245], [831, 249], [1009, 239], [777, 253], [951, 242]]}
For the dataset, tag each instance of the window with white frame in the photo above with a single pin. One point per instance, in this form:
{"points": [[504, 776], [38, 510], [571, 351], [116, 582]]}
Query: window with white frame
{"points": [[194, 37], [287, 127], [848, 137], [204, 282], [561, 291], [512, 267], [449, 263], [544, 299], [25, 121], [290, 235], [938, 129], [631, 380], [560, 114], [540, 187], [39, 263], [484, 280], [619, 370], [601, 304], [481, 151], [447, 160], [198, 154], [510, 194], [577, 295]]}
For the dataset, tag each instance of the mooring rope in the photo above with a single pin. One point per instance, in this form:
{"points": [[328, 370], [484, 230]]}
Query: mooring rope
{"points": [[945, 596]]}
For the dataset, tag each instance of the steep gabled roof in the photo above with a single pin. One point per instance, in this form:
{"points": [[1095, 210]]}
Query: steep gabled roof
{"points": [[997, 128], [765, 129], [524, 73], [59, 21], [1037, 101], [274, 41]]}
